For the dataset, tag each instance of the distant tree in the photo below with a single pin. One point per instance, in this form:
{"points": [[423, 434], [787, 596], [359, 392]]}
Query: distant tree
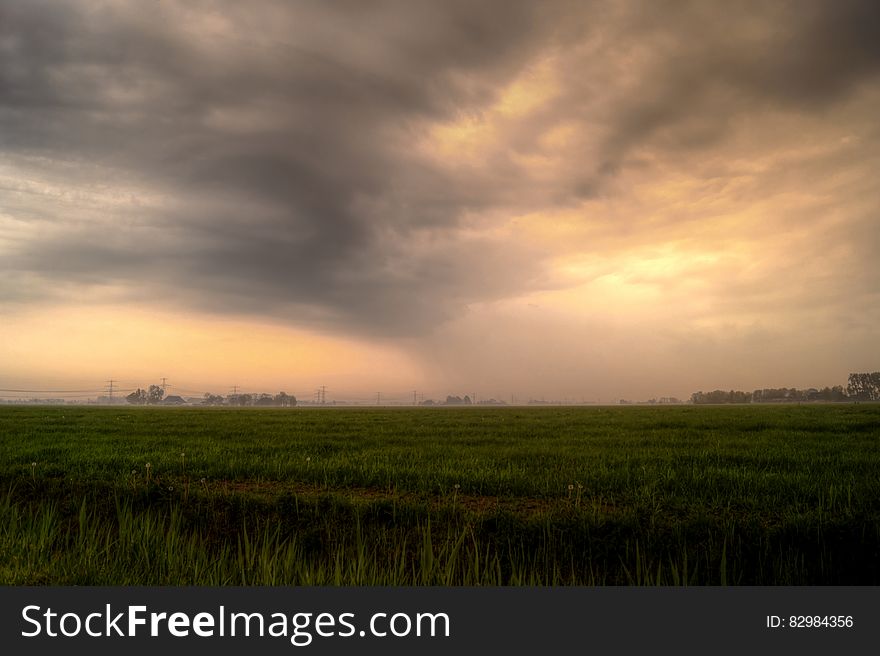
{"points": [[769, 395], [790, 394], [240, 399], [212, 399], [138, 397], [284, 400], [864, 387], [155, 394], [721, 396]]}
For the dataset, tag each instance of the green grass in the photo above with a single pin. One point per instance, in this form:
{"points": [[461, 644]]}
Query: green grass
{"points": [[686, 495]]}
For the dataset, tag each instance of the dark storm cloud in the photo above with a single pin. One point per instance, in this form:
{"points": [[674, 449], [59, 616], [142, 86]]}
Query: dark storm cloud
{"points": [[280, 137], [297, 115], [712, 62]]}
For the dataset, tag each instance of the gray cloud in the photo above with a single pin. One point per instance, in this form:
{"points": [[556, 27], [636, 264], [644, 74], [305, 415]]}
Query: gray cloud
{"points": [[697, 66], [276, 139], [298, 133]]}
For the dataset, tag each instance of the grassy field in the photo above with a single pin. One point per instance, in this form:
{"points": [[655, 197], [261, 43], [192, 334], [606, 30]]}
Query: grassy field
{"points": [[503, 496]]}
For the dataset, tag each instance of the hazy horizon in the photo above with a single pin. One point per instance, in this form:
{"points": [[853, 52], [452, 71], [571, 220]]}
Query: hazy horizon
{"points": [[585, 201]]}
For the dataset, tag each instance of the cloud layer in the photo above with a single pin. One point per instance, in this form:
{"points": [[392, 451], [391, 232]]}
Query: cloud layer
{"points": [[252, 159], [383, 169]]}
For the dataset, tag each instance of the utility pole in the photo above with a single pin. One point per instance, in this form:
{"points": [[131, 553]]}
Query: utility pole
{"points": [[415, 397], [111, 381], [378, 398], [164, 384], [323, 389]]}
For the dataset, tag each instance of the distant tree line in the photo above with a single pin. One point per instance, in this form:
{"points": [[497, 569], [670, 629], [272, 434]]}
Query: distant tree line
{"points": [[280, 400], [720, 396], [465, 400], [836, 393], [144, 397], [860, 387], [450, 400], [155, 395]]}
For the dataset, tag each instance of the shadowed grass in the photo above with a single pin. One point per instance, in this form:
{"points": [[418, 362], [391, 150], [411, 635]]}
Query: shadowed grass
{"points": [[550, 496]]}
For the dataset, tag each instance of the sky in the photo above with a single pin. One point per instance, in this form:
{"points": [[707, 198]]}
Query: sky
{"points": [[563, 200]]}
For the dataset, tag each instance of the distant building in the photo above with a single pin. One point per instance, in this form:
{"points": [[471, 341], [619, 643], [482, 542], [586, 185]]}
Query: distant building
{"points": [[174, 400]]}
